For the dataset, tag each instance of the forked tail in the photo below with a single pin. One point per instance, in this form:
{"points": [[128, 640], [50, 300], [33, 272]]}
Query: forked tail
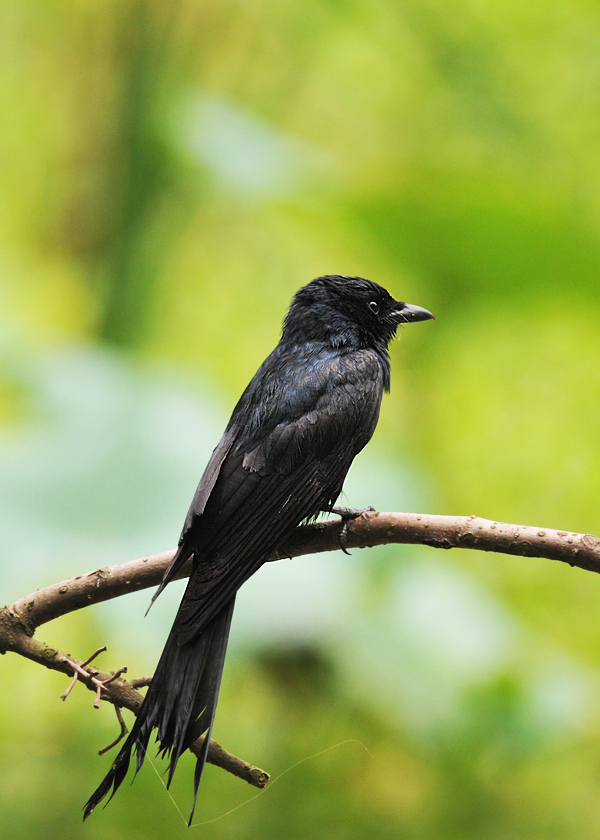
{"points": [[180, 703]]}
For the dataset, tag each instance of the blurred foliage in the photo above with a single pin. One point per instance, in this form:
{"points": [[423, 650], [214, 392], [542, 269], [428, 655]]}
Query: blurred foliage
{"points": [[172, 173]]}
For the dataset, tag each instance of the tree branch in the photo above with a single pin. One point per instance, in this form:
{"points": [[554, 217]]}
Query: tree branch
{"points": [[121, 693], [19, 622], [372, 528]]}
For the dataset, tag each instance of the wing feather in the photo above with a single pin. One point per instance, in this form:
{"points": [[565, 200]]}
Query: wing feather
{"points": [[201, 496], [270, 481]]}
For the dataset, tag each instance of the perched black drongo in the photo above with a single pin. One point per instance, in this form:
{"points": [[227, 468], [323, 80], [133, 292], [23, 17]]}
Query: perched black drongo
{"points": [[311, 407]]}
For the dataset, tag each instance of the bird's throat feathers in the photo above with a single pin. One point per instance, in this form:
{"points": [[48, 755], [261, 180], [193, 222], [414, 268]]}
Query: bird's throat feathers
{"points": [[329, 314]]}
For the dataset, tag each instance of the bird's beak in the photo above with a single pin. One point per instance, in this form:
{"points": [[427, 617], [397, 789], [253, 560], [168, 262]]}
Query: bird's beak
{"points": [[406, 313]]}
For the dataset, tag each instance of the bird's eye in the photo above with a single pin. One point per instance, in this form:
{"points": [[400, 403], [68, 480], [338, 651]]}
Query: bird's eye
{"points": [[374, 307]]}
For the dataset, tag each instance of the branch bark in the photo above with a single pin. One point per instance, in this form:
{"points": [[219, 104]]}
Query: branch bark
{"points": [[372, 528], [19, 622], [15, 638]]}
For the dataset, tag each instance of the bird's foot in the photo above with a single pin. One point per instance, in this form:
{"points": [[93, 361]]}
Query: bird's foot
{"points": [[347, 514]]}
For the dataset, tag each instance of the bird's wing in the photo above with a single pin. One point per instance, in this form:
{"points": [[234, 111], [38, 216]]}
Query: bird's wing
{"points": [[269, 481], [203, 491]]}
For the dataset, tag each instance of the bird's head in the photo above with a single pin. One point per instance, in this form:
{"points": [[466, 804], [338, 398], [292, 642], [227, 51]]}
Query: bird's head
{"points": [[347, 311]]}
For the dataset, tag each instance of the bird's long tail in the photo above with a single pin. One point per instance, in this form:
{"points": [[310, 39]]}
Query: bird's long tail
{"points": [[180, 703]]}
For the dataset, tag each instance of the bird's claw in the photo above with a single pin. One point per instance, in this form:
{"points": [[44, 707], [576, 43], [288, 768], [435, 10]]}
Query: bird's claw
{"points": [[347, 515], [343, 535]]}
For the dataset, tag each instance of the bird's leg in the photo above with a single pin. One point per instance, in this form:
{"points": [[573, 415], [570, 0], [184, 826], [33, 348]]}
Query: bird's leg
{"points": [[347, 514]]}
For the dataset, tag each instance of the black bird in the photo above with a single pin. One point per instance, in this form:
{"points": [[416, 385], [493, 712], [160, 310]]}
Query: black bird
{"points": [[311, 407]]}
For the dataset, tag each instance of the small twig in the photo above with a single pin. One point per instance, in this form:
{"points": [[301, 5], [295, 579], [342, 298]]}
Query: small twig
{"points": [[103, 683], [71, 686], [115, 675], [121, 734], [96, 653], [79, 671], [140, 682], [76, 668]]}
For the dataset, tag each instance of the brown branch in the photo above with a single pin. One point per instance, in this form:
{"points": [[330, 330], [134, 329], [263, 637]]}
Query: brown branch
{"points": [[140, 682], [121, 734], [372, 528], [19, 621], [113, 688]]}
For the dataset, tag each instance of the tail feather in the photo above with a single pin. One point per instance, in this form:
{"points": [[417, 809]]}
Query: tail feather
{"points": [[183, 553], [180, 702]]}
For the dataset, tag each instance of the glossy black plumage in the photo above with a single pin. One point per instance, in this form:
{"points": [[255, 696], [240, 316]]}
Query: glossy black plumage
{"points": [[311, 407]]}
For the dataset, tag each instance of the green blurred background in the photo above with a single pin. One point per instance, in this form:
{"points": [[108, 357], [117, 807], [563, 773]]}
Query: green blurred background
{"points": [[172, 173]]}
